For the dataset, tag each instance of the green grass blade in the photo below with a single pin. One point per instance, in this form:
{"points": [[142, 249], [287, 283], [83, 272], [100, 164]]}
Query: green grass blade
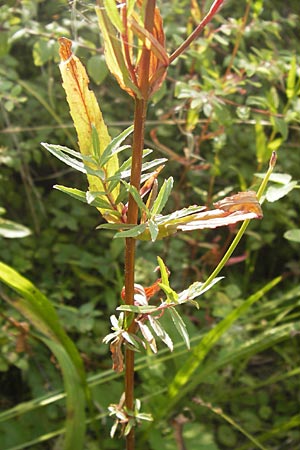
{"points": [[39, 311], [187, 370], [75, 400]]}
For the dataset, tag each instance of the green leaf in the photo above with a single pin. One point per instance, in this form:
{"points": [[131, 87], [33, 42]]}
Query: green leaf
{"points": [[9, 229], [162, 196], [132, 232], [163, 271], [180, 325], [195, 290], [114, 146], [262, 153], [33, 305], [99, 200], [137, 309], [96, 143], [43, 51], [160, 332], [293, 235], [111, 10], [274, 193], [137, 198], [60, 152], [115, 226], [280, 126], [153, 229], [75, 193], [97, 68], [291, 78], [172, 296]]}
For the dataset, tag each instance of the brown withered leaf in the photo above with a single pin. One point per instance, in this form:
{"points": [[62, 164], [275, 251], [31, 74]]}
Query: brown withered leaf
{"points": [[117, 355], [243, 202], [230, 210]]}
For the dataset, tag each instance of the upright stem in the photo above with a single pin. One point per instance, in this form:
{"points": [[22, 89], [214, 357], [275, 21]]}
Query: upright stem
{"points": [[132, 215], [137, 152]]}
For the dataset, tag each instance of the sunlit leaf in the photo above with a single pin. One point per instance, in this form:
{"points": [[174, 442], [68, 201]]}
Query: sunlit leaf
{"points": [[115, 146], [85, 113], [12, 230], [274, 193], [162, 196], [60, 152], [112, 11], [153, 229], [114, 52], [195, 290], [146, 332], [163, 271], [291, 78]]}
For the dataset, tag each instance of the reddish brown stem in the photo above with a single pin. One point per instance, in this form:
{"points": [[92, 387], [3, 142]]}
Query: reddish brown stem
{"points": [[213, 10], [132, 216]]}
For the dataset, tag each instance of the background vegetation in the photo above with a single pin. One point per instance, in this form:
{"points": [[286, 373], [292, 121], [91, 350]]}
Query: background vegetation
{"points": [[225, 106]]}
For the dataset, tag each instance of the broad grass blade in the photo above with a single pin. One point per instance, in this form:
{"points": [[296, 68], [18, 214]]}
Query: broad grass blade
{"points": [[35, 306]]}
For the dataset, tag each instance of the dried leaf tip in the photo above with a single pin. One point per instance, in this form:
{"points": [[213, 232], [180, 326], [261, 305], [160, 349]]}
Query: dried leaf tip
{"points": [[273, 160], [65, 49]]}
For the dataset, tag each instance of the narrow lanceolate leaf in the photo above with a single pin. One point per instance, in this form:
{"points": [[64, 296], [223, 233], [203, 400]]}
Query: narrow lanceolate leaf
{"points": [[162, 196], [132, 232], [9, 229], [73, 192], [113, 48], [33, 305], [291, 78], [153, 229], [161, 332], [195, 290], [115, 146], [180, 325], [111, 9], [230, 210], [91, 130]]}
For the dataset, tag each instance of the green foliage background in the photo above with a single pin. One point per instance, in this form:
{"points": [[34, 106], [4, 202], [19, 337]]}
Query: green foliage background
{"points": [[218, 120]]}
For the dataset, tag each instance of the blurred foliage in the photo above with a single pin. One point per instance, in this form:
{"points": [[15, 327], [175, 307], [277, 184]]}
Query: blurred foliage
{"points": [[229, 102]]}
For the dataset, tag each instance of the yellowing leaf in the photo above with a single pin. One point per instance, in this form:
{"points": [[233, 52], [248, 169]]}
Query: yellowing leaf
{"points": [[136, 56], [86, 115]]}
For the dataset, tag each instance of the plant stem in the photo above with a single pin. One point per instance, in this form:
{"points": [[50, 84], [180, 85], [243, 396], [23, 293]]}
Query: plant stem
{"points": [[213, 10], [132, 216]]}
